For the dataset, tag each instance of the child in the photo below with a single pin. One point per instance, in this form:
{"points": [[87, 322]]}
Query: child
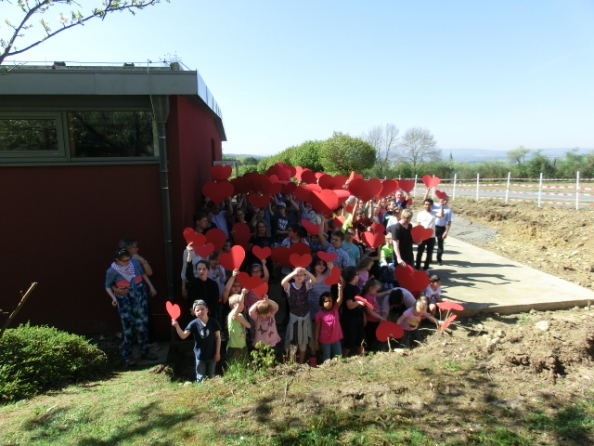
{"points": [[207, 340], [353, 314], [299, 329], [433, 293], [363, 268], [217, 272], [328, 330], [370, 293], [237, 348], [262, 313], [410, 321]]}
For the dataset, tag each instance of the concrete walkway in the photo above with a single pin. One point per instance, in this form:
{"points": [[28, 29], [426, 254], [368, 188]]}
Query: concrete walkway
{"points": [[488, 283]]}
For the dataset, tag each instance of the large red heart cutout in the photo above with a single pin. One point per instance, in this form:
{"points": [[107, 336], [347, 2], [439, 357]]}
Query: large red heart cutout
{"points": [[323, 202], [388, 329], [374, 240], [378, 227], [261, 253], [241, 185], [247, 281], [445, 324], [260, 290], [421, 233], [260, 201], [288, 187], [300, 260], [233, 259], [441, 195], [410, 279], [338, 222], [310, 227], [334, 276], [327, 256], [217, 237], [311, 187], [281, 255], [409, 202], [299, 172], [307, 176], [406, 185], [450, 306], [205, 250], [217, 192], [173, 310], [430, 181], [362, 299], [388, 187], [301, 193], [241, 234], [192, 237], [365, 190], [330, 182], [354, 176], [275, 188], [220, 172], [299, 248]]}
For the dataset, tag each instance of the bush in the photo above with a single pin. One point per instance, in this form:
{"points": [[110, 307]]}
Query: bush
{"points": [[34, 359]]}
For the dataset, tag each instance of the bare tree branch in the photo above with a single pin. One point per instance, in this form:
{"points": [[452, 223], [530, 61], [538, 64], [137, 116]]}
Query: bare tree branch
{"points": [[418, 146], [385, 141]]}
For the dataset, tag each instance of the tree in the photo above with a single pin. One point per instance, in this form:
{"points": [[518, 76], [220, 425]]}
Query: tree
{"points": [[343, 153], [19, 30], [385, 141], [250, 161], [307, 155], [517, 156], [418, 146]]}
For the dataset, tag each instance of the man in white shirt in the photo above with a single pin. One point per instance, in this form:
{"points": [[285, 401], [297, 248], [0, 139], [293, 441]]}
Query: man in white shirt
{"points": [[427, 218], [442, 225]]}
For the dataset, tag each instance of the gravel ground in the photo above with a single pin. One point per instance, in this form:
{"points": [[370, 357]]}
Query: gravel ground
{"points": [[469, 232]]}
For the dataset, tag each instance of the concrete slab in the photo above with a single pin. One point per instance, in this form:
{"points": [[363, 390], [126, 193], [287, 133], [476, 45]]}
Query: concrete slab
{"points": [[485, 282], [162, 353]]}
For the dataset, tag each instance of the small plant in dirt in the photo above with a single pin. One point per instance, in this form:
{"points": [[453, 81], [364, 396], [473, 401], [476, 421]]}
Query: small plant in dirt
{"points": [[34, 359], [263, 357]]}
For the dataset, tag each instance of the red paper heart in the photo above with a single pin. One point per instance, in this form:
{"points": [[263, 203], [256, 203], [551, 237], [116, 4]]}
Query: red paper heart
{"points": [[217, 237], [299, 248], [421, 233], [240, 185], [273, 178], [338, 222], [233, 259], [288, 187], [261, 253], [220, 172], [311, 187], [310, 227], [275, 188], [409, 202], [388, 187], [301, 193], [247, 281], [327, 256], [410, 279], [450, 306], [362, 299], [377, 227], [260, 201], [300, 261], [445, 324], [354, 176], [299, 172], [330, 182], [191, 236], [205, 250], [406, 185], [365, 190], [173, 310], [387, 330], [374, 240], [241, 234], [334, 276], [323, 202], [441, 195], [281, 255], [342, 195], [307, 176], [430, 181], [260, 290], [217, 192]]}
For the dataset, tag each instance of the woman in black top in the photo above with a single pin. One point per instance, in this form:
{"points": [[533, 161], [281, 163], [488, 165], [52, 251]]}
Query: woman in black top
{"points": [[353, 314]]}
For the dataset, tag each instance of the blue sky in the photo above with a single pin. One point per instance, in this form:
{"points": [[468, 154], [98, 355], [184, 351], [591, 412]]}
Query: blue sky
{"points": [[484, 75]]}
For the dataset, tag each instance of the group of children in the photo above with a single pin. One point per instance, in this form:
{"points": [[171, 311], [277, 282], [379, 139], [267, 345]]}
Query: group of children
{"points": [[322, 320]]}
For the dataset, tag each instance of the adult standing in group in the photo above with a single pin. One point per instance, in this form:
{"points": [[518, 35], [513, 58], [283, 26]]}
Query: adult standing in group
{"points": [[402, 240], [128, 276], [444, 216], [427, 218]]}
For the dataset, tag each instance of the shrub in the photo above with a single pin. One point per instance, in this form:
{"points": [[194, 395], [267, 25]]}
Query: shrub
{"points": [[34, 359]]}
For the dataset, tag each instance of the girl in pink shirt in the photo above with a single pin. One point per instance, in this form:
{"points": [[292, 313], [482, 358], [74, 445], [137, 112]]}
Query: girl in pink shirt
{"points": [[328, 330]]}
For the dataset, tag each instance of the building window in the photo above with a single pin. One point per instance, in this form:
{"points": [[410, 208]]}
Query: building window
{"points": [[29, 136], [111, 134]]}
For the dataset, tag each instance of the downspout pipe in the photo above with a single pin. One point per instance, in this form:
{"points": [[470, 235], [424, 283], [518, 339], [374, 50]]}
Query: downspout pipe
{"points": [[160, 106]]}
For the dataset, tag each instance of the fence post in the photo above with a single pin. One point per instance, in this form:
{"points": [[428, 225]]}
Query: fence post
{"points": [[507, 187], [539, 189], [454, 189], [577, 190], [415, 188], [477, 186]]}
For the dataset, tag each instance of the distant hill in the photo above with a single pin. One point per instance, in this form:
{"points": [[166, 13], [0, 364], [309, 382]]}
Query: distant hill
{"points": [[478, 155], [244, 155]]}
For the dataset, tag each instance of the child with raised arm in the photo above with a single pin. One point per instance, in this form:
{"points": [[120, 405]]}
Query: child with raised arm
{"points": [[328, 330], [237, 347], [262, 313], [410, 321], [207, 340]]}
